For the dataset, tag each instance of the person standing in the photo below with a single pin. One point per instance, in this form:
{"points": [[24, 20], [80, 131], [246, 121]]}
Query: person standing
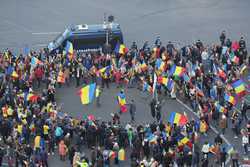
{"points": [[235, 158], [97, 95], [72, 152], [245, 142], [132, 110], [152, 107], [205, 150], [223, 157], [158, 111], [222, 37], [244, 108], [62, 150], [223, 124], [78, 76]]}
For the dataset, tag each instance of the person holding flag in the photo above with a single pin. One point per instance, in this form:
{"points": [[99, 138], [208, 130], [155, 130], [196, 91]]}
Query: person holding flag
{"points": [[122, 101], [132, 110]]}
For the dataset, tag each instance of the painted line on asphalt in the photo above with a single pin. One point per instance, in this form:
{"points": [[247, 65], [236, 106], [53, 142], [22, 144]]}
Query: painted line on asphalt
{"points": [[18, 26], [45, 33], [40, 44], [213, 128]]}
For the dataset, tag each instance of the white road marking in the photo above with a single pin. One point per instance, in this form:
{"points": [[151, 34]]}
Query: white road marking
{"points": [[40, 44], [45, 33], [7, 21], [213, 128]]}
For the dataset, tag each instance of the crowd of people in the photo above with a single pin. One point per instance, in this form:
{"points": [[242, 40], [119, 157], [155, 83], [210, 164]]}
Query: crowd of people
{"points": [[33, 127]]}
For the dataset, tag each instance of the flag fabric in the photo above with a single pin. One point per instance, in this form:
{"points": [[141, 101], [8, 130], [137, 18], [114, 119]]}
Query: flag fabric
{"points": [[35, 61], [30, 97], [219, 108], [143, 66], [112, 154], [122, 102], [147, 87], [87, 93], [177, 71], [14, 74], [178, 119], [243, 69], [121, 155], [105, 69], [239, 87], [230, 99], [185, 141], [160, 65], [61, 77], [69, 50], [168, 82], [121, 49]]}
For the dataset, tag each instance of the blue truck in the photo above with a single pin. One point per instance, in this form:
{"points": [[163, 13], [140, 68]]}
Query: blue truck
{"points": [[88, 37]]}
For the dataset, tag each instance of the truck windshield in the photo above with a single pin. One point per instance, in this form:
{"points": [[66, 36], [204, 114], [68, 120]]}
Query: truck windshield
{"points": [[60, 38]]}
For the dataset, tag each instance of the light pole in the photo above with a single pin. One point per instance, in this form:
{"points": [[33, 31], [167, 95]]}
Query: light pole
{"points": [[108, 26]]}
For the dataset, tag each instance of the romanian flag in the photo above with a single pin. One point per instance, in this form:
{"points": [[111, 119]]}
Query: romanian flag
{"points": [[176, 71], [112, 154], [87, 93], [61, 77], [121, 49], [147, 87], [143, 66], [160, 65], [178, 119], [14, 74], [69, 50], [185, 141], [230, 99], [239, 87], [167, 82], [122, 102], [219, 108], [105, 69], [35, 61], [32, 98]]}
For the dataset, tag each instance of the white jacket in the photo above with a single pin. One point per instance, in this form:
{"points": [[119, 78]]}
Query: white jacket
{"points": [[245, 139], [205, 148]]}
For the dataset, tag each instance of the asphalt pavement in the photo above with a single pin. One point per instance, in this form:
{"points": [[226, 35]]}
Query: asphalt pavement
{"points": [[34, 23]]}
